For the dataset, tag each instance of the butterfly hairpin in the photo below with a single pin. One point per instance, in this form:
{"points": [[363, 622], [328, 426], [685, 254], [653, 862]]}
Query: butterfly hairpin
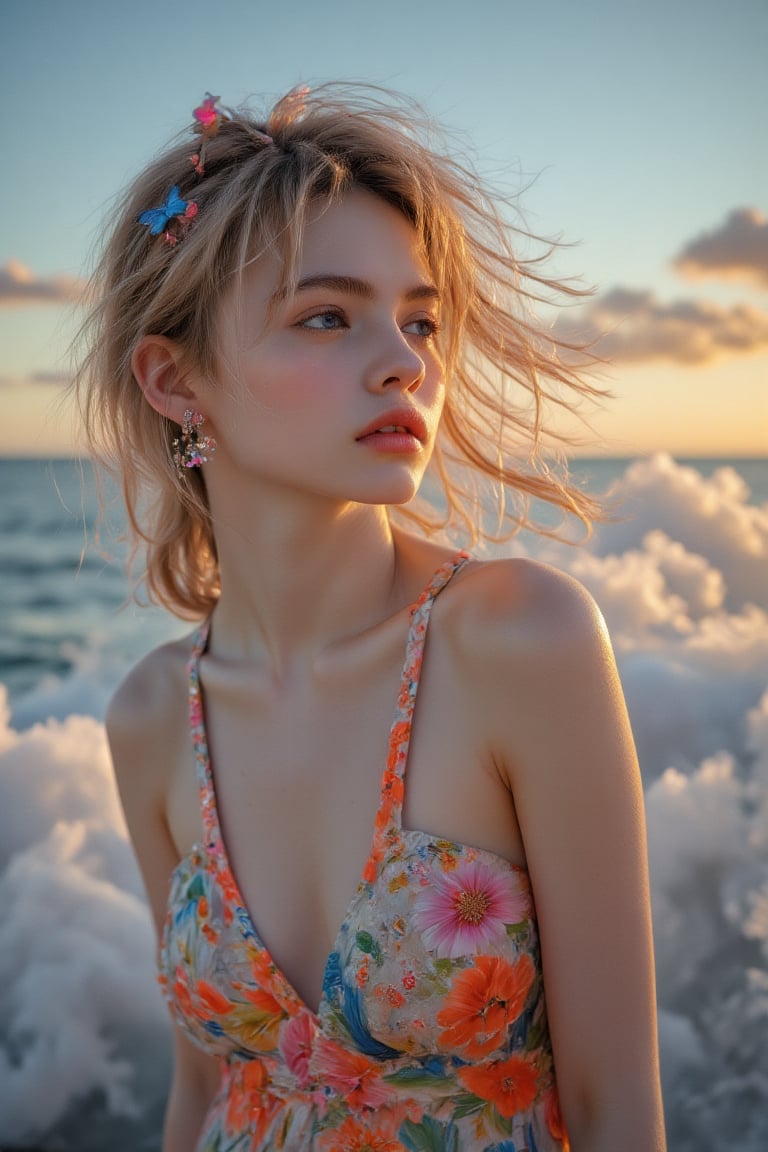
{"points": [[175, 209]]}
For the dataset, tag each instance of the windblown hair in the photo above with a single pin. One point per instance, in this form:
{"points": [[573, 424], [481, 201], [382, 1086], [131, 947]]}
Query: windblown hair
{"points": [[503, 370]]}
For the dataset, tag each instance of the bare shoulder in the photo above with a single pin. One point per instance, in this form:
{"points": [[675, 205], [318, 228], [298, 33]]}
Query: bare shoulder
{"points": [[147, 723], [509, 609], [533, 656], [148, 706], [148, 734], [148, 689]]}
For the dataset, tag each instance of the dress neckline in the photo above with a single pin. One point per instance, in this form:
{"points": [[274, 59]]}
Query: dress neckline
{"points": [[388, 820]]}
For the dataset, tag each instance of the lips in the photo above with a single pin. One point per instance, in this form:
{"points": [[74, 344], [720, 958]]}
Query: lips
{"points": [[407, 421]]}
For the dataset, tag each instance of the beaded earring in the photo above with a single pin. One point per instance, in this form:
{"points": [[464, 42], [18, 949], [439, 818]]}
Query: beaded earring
{"points": [[190, 448]]}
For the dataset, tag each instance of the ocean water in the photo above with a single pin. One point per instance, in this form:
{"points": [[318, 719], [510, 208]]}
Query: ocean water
{"points": [[682, 578]]}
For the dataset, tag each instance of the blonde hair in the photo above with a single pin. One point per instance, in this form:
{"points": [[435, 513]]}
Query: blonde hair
{"points": [[253, 196]]}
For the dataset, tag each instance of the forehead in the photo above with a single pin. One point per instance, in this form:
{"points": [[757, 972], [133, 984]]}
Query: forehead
{"points": [[359, 236], [362, 232]]}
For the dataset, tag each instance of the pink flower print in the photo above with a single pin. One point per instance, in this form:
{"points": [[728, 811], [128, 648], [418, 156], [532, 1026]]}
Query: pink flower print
{"points": [[463, 911], [296, 1046]]}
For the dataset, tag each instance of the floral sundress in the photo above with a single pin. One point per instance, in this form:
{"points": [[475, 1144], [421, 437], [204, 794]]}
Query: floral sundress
{"points": [[431, 1034]]}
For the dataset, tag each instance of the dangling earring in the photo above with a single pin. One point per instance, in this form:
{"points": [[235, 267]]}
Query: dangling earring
{"points": [[190, 449]]}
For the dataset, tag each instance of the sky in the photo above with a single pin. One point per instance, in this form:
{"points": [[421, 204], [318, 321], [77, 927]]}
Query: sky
{"points": [[636, 132]]}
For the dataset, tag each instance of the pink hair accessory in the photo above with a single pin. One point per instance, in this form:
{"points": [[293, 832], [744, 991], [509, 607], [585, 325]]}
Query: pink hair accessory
{"points": [[209, 115], [208, 119]]}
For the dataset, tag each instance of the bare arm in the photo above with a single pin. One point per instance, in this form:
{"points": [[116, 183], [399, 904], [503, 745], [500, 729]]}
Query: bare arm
{"points": [[566, 749], [146, 726], [195, 1080]]}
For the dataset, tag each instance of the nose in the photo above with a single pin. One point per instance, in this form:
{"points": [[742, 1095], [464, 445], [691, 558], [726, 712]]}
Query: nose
{"points": [[394, 364]]}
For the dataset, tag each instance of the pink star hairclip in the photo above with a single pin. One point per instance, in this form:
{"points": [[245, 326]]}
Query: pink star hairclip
{"points": [[209, 115], [208, 119]]}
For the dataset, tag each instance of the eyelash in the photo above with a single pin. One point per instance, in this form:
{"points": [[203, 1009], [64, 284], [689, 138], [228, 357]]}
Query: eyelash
{"points": [[433, 326]]}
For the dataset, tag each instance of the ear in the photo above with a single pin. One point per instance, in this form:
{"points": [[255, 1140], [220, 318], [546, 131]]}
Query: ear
{"points": [[156, 364]]}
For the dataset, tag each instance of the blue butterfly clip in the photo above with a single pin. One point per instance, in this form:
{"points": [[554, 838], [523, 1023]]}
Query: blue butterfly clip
{"points": [[157, 219]]}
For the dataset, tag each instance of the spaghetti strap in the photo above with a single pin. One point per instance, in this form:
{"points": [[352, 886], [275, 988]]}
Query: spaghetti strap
{"points": [[389, 816], [206, 794]]}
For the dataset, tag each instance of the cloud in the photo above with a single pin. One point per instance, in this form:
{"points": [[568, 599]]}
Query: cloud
{"points": [[737, 250], [60, 379], [19, 286], [680, 578], [634, 326], [80, 1013], [711, 517]]}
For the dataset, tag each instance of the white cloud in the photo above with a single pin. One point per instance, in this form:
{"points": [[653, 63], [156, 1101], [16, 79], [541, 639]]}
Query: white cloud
{"points": [[80, 1016], [709, 517]]}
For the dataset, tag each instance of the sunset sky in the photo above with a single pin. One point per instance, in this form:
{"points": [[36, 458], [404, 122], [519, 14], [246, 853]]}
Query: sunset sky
{"points": [[637, 131]]}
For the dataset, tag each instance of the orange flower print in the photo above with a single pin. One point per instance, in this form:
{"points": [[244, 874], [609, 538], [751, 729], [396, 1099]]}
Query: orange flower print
{"points": [[354, 1136], [354, 1077], [482, 1003], [391, 994], [510, 1085], [398, 882], [263, 1000], [229, 887], [250, 1107], [181, 992], [400, 733], [211, 1000], [210, 934], [554, 1118]]}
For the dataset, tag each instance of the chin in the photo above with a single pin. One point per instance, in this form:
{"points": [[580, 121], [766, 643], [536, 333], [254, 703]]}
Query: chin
{"points": [[394, 493]]}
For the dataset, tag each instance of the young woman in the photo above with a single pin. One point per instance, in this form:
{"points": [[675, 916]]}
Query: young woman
{"points": [[393, 921]]}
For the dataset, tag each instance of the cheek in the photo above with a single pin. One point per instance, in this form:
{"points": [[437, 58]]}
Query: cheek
{"points": [[283, 386]]}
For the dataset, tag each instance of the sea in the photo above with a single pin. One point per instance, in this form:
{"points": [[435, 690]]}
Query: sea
{"points": [[681, 575]]}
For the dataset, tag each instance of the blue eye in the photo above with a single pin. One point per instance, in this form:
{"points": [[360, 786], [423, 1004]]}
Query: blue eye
{"points": [[426, 327], [328, 321]]}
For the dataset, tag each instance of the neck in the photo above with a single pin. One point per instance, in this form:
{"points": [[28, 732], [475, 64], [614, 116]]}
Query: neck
{"points": [[298, 575]]}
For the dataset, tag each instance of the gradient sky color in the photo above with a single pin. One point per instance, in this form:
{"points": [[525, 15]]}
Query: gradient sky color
{"points": [[633, 128]]}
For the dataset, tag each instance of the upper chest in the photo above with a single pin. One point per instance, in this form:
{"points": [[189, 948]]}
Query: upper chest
{"points": [[308, 753]]}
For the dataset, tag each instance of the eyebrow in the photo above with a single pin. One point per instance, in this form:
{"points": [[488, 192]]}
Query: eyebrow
{"points": [[352, 286]]}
